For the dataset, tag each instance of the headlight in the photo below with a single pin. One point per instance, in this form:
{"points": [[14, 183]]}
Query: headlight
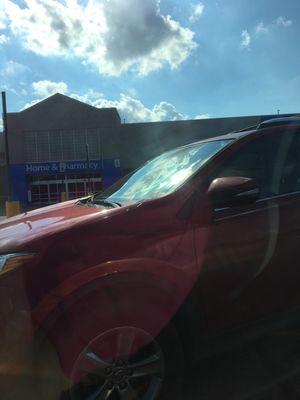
{"points": [[12, 261]]}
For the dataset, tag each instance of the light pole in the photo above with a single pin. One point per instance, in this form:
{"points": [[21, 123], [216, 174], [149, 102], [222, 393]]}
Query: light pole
{"points": [[5, 131], [4, 118]]}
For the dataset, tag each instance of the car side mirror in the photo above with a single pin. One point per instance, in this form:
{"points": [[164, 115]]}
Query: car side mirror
{"points": [[232, 191]]}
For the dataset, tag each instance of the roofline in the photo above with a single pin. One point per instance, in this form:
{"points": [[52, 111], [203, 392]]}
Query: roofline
{"points": [[70, 98], [258, 116]]}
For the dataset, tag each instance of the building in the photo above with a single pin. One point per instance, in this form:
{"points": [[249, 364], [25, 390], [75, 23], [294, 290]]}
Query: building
{"points": [[63, 145], [48, 151]]}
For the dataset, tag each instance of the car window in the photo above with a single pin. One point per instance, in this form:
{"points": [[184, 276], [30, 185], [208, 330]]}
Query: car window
{"points": [[290, 174], [265, 159]]}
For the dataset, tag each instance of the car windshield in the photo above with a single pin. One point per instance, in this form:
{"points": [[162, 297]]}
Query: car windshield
{"points": [[164, 174]]}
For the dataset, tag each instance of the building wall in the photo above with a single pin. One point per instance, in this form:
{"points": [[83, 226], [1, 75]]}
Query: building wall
{"points": [[50, 138], [58, 128], [62, 144], [143, 141]]}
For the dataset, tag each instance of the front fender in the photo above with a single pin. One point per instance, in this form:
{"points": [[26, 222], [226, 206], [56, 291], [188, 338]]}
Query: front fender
{"points": [[169, 279]]}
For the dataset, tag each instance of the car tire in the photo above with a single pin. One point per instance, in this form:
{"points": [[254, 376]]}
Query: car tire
{"points": [[162, 379], [123, 381]]}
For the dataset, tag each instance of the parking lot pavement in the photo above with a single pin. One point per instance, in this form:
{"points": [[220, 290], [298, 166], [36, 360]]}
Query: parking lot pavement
{"points": [[268, 369]]}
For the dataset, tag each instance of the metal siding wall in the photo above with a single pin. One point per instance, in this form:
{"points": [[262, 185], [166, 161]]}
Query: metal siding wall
{"points": [[143, 141], [80, 139], [30, 146], [42, 146], [94, 143], [67, 144], [55, 146]]}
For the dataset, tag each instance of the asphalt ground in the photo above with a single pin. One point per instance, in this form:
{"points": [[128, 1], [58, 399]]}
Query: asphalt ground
{"points": [[268, 369]]}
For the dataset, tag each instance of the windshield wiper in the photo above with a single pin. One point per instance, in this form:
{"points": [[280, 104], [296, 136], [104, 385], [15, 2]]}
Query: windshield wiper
{"points": [[105, 202], [92, 201]]}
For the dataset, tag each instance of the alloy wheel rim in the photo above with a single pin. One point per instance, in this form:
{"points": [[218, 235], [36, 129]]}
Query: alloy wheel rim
{"points": [[124, 363]]}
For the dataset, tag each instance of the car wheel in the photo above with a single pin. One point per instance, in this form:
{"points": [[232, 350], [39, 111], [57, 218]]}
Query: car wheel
{"points": [[124, 363], [127, 363]]}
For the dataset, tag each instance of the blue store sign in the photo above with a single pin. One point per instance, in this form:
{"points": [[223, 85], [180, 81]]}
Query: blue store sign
{"points": [[109, 168], [62, 166]]}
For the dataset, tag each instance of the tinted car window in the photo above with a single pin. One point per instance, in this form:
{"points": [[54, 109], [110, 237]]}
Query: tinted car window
{"points": [[250, 161], [263, 160], [290, 176]]}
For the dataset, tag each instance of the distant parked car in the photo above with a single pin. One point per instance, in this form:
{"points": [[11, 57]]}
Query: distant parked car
{"points": [[109, 296]]}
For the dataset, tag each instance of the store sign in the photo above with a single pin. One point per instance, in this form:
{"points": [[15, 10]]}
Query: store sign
{"points": [[62, 166]]}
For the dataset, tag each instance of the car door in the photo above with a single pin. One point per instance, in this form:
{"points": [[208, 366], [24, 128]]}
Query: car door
{"points": [[243, 241], [283, 295]]}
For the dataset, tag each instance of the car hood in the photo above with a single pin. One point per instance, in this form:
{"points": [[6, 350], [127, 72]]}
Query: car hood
{"points": [[44, 221]]}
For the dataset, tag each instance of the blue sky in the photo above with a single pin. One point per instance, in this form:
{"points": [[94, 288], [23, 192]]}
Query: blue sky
{"points": [[154, 60]]}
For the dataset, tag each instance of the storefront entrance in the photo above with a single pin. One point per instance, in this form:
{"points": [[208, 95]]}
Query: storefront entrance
{"points": [[47, 189]]}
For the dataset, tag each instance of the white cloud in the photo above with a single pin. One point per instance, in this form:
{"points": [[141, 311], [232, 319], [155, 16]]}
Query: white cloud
{"points": [[15, 89], [282, 21], [245, 39], [202, 116], [4, 39], [31, 103], [12, 68], [133, 110], [2, 16], [132, 92], [81, 97], [261, 29], [89, 97], [129, 108], [47, 88], [167, 112], [94, 94], [197, 12], [114, 36]]}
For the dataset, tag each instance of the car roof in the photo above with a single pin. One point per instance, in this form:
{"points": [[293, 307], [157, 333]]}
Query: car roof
{"points": [[291, 121]]}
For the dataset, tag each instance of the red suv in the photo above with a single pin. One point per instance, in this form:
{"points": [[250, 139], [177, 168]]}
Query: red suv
{"points": [[108, 297]]}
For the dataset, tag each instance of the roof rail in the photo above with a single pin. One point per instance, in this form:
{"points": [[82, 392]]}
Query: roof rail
{"points": [[294, 120]]}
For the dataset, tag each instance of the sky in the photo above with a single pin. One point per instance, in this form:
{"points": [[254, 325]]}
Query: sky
{"points": [[154, 60]]}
